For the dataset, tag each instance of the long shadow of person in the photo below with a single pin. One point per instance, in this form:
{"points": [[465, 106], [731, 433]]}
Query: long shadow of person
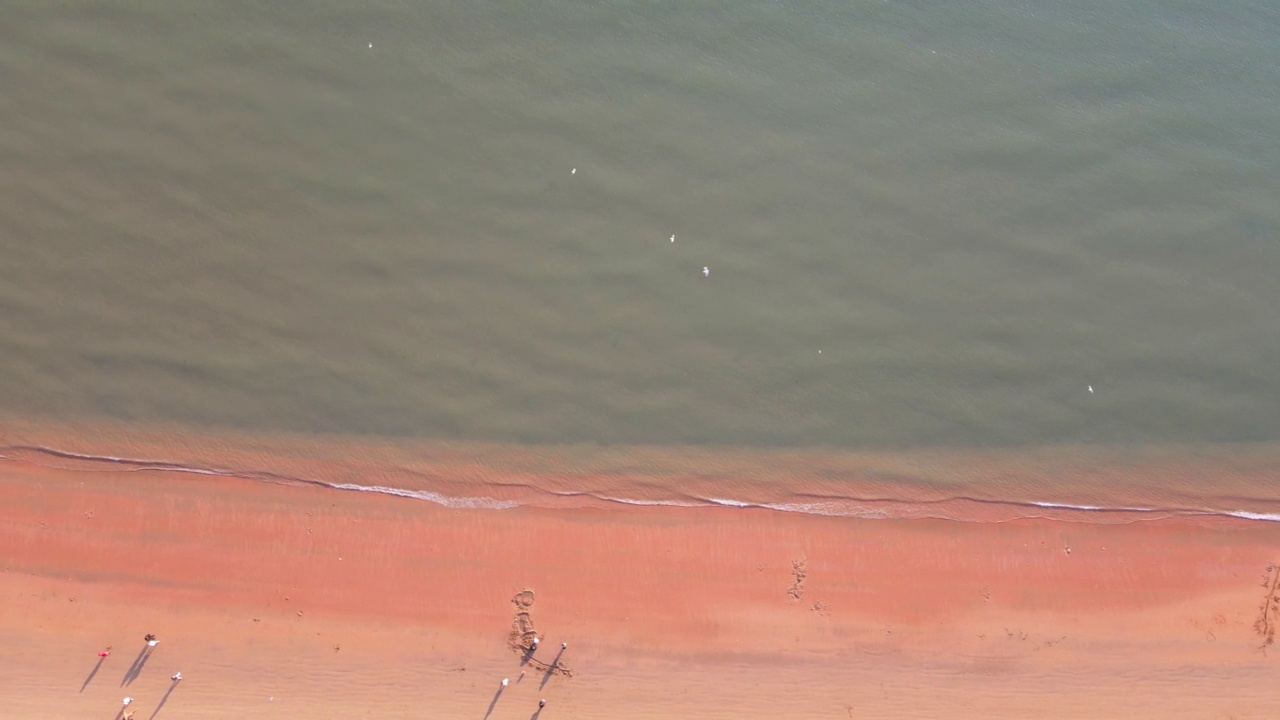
{"points": [[551, 669], [164, 699], [494, 701], [131, 673], [96, 668], [136, 670]]}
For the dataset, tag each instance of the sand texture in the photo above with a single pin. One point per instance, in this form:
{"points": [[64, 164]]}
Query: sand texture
{"points": [[284, 600]]}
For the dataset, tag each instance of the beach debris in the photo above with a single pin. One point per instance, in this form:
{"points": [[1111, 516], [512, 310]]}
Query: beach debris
{"points": [[1265, 625], [798, 573]]}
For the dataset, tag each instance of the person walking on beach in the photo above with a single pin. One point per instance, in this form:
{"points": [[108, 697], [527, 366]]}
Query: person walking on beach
{"points": [[105, 653], [542, 704], [176, 676], [151, 640]]}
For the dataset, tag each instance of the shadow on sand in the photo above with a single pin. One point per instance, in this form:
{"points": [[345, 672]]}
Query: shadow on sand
{"points": [[551, 669], [136, 668], [164, 699], [93, 672], [494, 702]]}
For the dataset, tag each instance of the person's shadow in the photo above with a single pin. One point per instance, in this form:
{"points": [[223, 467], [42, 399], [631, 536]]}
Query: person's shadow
{"points": [[165, 699], [551, 669], [133, 670], [93, 672], [494, 701], [138, 664]]}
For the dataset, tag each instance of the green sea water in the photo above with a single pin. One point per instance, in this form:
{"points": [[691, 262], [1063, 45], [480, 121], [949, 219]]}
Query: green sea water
{"points": [[993, 223]]}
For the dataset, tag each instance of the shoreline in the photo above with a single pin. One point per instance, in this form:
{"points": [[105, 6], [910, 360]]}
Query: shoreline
{"points": [[1081, 484], [678, 612]]}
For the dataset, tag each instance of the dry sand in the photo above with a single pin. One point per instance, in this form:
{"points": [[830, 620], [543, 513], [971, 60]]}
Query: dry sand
{"points": [[285, 601]]}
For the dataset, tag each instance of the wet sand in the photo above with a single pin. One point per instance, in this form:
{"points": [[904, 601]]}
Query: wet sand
{"points": [[282, 601]]}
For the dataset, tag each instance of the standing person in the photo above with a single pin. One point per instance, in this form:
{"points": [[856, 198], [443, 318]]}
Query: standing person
{"points": [[542, 704], [176, 676], [151, 640], [105, 653]]}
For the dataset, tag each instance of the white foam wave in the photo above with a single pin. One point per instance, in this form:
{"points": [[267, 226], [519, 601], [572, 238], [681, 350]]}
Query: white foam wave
{"points": [[466, 503], [650, 503], [830, 509], [1246, 515], [732, 503]]}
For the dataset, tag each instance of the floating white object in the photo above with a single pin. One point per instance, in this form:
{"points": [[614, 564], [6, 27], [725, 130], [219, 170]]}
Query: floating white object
{"points": [[573, 171], [370, 46], [1090, 389], [706, 272], [673, 238]]}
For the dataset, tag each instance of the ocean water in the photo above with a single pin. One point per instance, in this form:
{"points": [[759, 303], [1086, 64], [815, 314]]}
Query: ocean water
{"points": [[999, 223]]}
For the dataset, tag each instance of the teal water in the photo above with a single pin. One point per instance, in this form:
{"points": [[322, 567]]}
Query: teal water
{"points": [[924, 223]]}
